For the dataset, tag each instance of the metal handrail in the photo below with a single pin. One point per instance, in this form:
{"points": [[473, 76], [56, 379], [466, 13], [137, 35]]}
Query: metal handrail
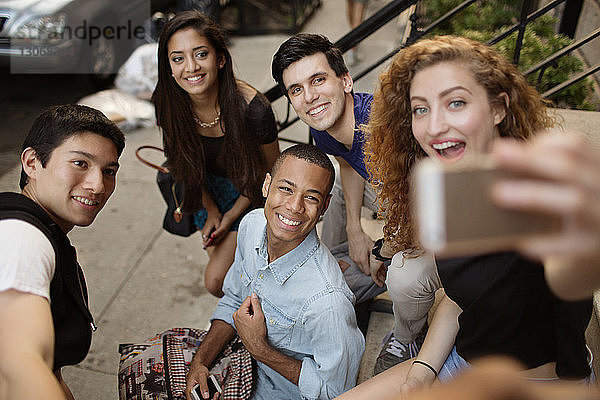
{"points": [[533, 16], [573, 46], [571, 81], [415, 35], [396, 7], [361, 32]]}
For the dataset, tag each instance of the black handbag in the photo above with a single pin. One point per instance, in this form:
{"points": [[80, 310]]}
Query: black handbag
{"points": [[175, 221]]}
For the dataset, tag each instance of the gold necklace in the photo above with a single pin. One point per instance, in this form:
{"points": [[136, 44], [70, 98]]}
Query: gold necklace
{"points": [[208, 124]]}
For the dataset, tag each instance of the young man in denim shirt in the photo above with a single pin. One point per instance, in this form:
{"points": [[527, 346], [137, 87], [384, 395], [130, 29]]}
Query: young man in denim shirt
{"points": [[311, 72], [285, 295]]}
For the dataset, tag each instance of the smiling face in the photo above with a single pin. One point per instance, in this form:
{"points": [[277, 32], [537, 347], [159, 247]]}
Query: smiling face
{"points": [[317, 95], [451, 114], [297, 195], [76, 182], [194, 62]]}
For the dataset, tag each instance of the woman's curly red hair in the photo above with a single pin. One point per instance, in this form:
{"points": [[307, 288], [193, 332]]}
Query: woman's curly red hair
{"points": [[391, 149]]}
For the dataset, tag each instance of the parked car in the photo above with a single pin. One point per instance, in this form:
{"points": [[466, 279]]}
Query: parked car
{"points": [[83, 36]]}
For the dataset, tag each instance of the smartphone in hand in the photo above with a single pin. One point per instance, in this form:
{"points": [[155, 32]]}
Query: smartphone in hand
{"points": [[213, 387], [455, 213]]}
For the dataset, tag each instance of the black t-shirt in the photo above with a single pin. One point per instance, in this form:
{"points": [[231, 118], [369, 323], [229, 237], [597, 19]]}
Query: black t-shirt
{"points": [[260, 126], [509, 309]]}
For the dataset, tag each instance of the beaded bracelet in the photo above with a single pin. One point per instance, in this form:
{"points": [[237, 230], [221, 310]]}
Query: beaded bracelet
{"points": [[427, 365]]}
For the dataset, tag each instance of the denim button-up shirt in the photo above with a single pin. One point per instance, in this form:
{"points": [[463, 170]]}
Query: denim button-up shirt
{"points": [[308, 311]]}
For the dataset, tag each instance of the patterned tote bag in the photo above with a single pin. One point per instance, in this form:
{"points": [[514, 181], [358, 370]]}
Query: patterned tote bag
{"points": [[156, 369]]}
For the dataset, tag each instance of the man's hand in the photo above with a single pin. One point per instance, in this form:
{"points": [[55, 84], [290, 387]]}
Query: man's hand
{"points": [[251, 328], [359, 249], [378, 271], [219, 334], [250, 324], [359, 243], [198, 375], [343, 265]]}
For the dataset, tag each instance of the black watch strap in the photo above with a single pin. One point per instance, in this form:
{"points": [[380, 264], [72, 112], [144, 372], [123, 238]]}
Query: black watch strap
{"points": [[377, 251]]}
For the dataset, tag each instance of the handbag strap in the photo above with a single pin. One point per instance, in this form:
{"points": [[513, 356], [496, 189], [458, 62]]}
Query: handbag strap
{"points": [[160, 168]]}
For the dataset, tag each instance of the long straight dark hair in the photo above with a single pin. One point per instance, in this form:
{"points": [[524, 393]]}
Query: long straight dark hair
{"points": [[174, 114]]}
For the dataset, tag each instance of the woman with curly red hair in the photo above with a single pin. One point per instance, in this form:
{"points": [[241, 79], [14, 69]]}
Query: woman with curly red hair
{"points": [[449, 98]]}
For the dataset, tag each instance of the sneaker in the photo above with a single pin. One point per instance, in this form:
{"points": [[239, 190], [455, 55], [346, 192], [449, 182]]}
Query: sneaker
{"points": [[393, 352]]}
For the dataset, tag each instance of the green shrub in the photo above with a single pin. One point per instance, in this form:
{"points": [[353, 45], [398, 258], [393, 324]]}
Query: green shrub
{"points": [[486, 19]]}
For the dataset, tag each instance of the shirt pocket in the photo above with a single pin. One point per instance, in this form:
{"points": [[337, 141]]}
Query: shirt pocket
{"points": [[279, 325], [245, 278]]}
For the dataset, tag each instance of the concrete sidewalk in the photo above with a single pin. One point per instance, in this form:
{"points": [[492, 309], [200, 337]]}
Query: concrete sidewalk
{"points": [[141, 279]]}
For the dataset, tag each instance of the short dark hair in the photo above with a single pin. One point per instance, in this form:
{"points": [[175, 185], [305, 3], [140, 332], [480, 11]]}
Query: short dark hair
{"points": [[303, 45], [308, 153], [56, 124]]}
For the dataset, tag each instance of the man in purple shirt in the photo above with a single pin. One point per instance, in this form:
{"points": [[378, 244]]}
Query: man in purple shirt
{"points": [[319, 87], [312, 74]]}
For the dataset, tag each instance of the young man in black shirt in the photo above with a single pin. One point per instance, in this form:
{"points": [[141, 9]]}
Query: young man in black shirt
{"points": [[69, 166]]}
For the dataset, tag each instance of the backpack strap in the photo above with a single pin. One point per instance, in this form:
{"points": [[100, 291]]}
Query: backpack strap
{"points": [[18, 206]]}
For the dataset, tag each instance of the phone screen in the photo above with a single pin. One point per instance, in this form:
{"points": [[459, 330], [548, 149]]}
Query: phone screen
{"points": [[212, 388]]}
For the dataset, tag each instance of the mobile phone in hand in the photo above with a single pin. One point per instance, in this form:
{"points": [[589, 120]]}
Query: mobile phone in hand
{"points": [[455, 213], [213, 387]]}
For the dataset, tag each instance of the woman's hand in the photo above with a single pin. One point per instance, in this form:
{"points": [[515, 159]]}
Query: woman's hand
{"points": [[501, 379], [561, 178], [213, 222], [419, 376], [223, 228], [226, 220]]}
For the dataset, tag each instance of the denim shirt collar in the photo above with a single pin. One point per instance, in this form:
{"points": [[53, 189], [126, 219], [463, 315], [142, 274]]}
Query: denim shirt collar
{"points": [[285, 266]]}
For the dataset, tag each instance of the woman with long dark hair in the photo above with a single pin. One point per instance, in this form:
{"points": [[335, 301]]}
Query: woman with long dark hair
{"points": [[219, 134]]}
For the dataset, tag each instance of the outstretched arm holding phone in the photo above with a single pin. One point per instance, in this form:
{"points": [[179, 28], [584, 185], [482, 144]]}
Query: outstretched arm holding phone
{"points": [[498, 378], [562, 179]]}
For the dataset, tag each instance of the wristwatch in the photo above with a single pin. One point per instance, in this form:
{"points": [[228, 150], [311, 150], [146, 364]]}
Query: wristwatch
{"points": [[377, 251]]}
